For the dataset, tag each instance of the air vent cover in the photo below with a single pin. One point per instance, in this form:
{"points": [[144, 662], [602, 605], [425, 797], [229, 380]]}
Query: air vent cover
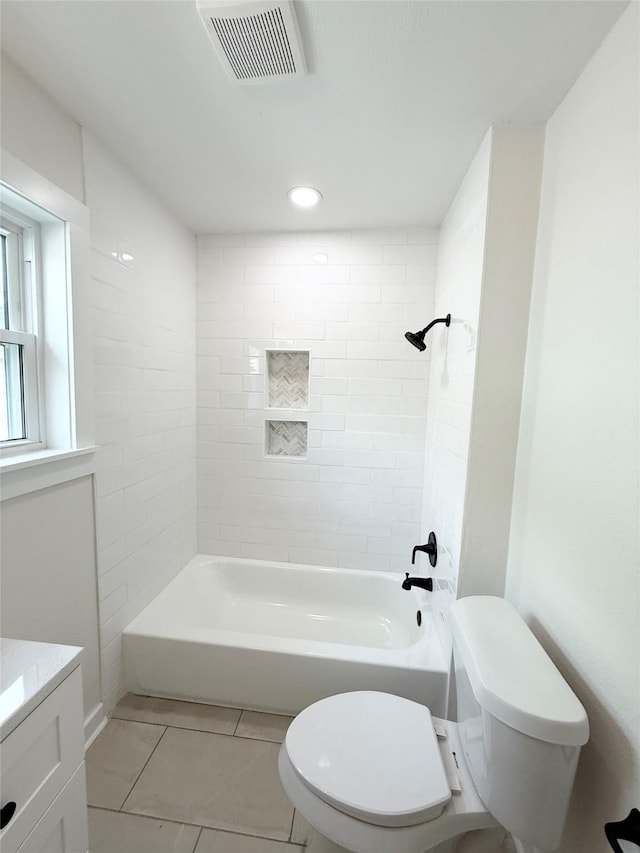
{"points": [[257, 42]]}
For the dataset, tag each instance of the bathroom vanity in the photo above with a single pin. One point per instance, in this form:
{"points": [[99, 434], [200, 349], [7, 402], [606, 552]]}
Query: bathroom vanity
{"points": [[42, 787]]}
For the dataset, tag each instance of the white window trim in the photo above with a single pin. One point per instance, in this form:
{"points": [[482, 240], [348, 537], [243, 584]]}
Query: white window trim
{"points": [[25, 321], [69, 449]]}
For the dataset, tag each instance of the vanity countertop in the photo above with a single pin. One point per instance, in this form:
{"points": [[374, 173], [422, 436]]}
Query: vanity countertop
{"points": [[29, 672]]}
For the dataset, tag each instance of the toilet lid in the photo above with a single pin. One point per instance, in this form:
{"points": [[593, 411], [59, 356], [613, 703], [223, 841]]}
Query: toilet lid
{"points": [[371, 755]]}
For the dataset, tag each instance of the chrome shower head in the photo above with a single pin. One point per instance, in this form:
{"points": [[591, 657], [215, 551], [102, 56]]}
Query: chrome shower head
{"points": [[417, 338]]}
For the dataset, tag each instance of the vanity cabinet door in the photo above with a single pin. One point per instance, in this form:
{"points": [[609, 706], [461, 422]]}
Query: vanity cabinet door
{"points": [[39, 757], [63, 827]]}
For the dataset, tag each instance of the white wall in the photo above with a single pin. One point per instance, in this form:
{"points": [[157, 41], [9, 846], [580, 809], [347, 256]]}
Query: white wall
{"points": [[48, 561], [510, 240], [48, 577], [144, 370], [573, 561], [143, 271], [453, 359], [38, 132], [485, 269], [355, 501]]}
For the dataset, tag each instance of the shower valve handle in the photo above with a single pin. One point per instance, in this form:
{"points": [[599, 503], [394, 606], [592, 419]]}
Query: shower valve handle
{"points": [[431, 548]]}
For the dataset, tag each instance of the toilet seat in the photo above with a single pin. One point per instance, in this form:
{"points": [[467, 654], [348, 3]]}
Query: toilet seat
{"points": [[373, 756]]}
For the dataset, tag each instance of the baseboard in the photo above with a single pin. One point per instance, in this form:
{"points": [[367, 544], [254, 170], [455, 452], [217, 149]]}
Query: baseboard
{"points": [[93, 725]]}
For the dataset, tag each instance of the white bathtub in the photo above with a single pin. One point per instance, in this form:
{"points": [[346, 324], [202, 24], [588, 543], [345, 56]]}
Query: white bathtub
{"points": [[277, 636]]}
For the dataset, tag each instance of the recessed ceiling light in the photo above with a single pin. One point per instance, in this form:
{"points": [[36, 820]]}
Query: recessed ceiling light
{"points": [[320, 258], [304, 196]]}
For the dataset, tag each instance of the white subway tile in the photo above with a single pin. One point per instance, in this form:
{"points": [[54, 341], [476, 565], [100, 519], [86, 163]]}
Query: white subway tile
{"points": [[378, 274], [220, 284], [324, 349], [280, 311], [370, 562], [353, 330], [340, 474], [324, 274], [398, 405], [340, 367], [248, 256], [215, 241], [356, 254], [332, 386], [324, 238], [221, 311], [377, 350], [217, 347], [209, 381], [271, 274], [375, 387], [416, 293], [369, 459], [376, 312], [278, 238], [299, 329], [409, 254], [313, 556], [339, 311], [318, 311], [380, 236]]}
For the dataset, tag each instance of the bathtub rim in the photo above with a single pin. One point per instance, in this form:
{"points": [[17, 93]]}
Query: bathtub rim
{"points": [[425, 654]]}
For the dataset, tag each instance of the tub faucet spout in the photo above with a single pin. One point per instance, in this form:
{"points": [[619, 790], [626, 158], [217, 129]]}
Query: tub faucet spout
{"points": [[421, 583]]}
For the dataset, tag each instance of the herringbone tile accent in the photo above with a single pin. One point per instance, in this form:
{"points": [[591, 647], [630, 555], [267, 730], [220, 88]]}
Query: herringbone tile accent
{"points": [[287, 438], [288, 379]]}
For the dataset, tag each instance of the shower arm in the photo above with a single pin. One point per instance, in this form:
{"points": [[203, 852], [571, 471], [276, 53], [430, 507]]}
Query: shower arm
{"points": [[445, 320]]}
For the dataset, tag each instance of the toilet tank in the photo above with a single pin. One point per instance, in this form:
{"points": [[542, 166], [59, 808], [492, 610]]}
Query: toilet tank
{"points": [[520, 724]]}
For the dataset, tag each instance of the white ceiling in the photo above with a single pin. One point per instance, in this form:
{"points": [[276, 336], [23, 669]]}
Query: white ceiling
{"points": [[399, 96]]}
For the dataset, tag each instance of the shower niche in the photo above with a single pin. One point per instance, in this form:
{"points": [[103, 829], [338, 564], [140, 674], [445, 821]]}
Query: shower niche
{"points": [[287, 393]]}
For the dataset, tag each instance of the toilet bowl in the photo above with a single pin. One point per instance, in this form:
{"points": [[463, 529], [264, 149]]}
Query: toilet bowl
{"points": [[375, 773]]}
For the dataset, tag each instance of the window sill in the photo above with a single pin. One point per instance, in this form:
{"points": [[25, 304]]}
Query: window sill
{"points": [[40, 469]]}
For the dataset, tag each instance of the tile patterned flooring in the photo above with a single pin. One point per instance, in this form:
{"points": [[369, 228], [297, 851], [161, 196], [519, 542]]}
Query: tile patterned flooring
{"points": [[179, 777]]}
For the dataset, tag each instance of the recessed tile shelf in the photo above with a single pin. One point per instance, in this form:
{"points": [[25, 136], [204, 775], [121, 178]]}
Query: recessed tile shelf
{"points": [[288, 379], [286, 438]]}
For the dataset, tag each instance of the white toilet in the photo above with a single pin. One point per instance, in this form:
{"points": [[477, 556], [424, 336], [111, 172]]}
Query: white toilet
{"points": [[374, 773]]}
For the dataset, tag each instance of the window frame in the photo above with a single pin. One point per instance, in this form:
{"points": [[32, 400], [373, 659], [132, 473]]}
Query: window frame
{"points": [[23, 314], [67, 449]]}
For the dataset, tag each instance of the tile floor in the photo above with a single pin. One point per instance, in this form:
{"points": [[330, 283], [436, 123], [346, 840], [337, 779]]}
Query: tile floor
{"points": [[179, 777]]}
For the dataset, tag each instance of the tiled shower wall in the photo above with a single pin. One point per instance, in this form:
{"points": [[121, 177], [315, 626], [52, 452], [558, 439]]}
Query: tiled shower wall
{"points": [[354, 500], [143, 280], [459, 282]]}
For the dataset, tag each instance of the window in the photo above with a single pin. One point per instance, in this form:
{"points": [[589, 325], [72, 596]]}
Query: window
{"points": [[20, 395], [46, 388]]}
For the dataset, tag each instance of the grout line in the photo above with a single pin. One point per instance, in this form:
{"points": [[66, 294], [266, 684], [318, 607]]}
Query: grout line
{"points": [[197, 840], [244, 833], [238, 723], [202, 731], [293, 817], [227, 734], [186, 823], [143, 767], [179, 728], [206, 705], [145, 816]]}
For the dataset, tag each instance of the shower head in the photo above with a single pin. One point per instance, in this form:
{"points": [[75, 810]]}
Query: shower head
{"points": [[417, 338]]}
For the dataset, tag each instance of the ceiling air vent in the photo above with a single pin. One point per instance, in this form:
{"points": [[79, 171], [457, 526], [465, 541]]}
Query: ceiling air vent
{"points": [[257, 41]]}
